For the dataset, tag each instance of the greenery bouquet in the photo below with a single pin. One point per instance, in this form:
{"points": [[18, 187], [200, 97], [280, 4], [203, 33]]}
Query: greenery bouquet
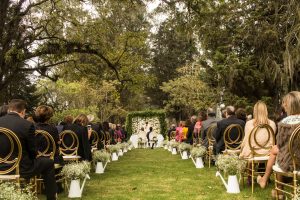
{"points": [[114, 148], [75, 171], [198, 151], [12, 191], [185, 147], [174, 144], [124, 145], [101, 156], [230, 164]]}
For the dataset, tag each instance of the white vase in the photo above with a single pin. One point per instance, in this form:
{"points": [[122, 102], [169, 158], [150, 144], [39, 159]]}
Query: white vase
{"points": [[100, 168], [233, 184], [184, 155], [199, 163], [170, 148], [75, 190], [125, 150], [129, 148], [120, 152], [166, 147], [174, 151], [114, 156]]}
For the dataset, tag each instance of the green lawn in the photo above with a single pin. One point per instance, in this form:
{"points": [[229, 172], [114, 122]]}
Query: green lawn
{"points": [[156, 174]]}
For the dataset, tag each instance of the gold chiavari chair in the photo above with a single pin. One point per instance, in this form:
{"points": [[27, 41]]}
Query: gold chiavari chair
{"points": [[11, 161], [260, 147], [294, 144], [47, 151], [102, 138], [233, 141], [107, 138], [69, 146], [211, 140], [95, 141]]}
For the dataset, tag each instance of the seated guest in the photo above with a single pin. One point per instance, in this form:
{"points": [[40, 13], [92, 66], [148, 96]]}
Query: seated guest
{"points": [[3, 110], [172, 128], [280, 155], [211, 119], [185, 129], [179, 134], [260, 114], [118, 134], [30, 165], [67, 120], [241, 114], [189, 137], [80, 128], [42, 116], [222, 125]]}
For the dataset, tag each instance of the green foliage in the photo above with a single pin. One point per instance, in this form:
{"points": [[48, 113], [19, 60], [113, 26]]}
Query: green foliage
{"points": [[147, 114], [101, 156]]}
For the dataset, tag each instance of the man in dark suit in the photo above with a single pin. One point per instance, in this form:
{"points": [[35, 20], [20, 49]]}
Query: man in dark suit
{"points": [[222, 125], [30, 165], [189, 137], [211, 119]]}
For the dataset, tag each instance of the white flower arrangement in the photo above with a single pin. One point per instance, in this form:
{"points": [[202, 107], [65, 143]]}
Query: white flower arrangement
{"points": [[10, 190], [101, 156], [165, 142], [76, 170], [114, 148], [184, 146], [139, 122], [129, 142], [124, 145], [230, 164], [174, 144], [197, 152]]}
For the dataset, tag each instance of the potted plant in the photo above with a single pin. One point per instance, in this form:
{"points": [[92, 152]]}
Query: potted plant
{"points": [[170, 146], [174, 146], [11, 190], [100, 158], [75, 172], [120, 153], [165, 144], [231, 165], [197, 154], [124, 147], [114, 150], [184, 150], [129, 145]]}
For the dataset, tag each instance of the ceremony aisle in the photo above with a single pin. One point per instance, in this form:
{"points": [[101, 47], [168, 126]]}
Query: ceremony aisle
{"points": [[143, 174]]}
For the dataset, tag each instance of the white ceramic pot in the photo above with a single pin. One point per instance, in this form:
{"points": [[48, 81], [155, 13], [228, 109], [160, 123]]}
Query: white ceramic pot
{"points": [[174, 151], [184, 155], [75, 190], [125, 150], [120, 152], [233, 184], [199, 163], [100, 168], [114, 156], [166, 147]]}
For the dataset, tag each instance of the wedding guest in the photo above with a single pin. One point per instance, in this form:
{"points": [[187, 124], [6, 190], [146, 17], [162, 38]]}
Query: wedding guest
{"points": [[211, 119], [43, 114], [179, 135], [118, 134], [148, 135], [260, 116], [280, 155], [172, 128], [189, 139], [3, 110], [222, 125], [79, 127], [241, 114], [185, 129], [30, 165]]}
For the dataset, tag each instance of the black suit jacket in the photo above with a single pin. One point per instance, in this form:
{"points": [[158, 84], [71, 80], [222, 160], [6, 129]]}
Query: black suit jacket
{"points": [[84, 149], [25, 132], [221, 126]]}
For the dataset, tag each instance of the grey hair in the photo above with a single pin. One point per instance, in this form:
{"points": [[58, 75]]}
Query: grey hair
{"points": [[230, 110]]}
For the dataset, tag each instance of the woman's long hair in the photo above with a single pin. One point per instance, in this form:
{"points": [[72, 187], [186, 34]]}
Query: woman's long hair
{"points": [[260, 113]]}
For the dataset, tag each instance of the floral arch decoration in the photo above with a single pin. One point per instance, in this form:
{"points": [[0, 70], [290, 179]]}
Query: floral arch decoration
{"points": [[155, 118]]}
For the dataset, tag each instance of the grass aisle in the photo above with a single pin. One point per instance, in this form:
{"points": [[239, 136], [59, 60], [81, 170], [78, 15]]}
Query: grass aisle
{"points": [[144, 174]]}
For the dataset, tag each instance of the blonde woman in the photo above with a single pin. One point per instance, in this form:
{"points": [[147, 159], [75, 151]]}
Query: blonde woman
{"points": [[280, 152], [260, 116]]}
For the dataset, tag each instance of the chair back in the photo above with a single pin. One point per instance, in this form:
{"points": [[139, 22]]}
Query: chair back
{"points": [[107, 137], [50, 148], [102, 137], [172, 135], [12, 160], [210, 138], [233, 136], [294, 144], [259, 143], [69, 143], [95, 139]]}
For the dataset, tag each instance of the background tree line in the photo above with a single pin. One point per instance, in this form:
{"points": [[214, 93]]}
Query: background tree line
{"points": [[104, 57]]}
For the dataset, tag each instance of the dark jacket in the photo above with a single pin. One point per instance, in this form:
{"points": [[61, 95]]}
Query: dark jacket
{"points": [[25, 132], [189, 137], [52, 130], [219, 134], [84, 149]]}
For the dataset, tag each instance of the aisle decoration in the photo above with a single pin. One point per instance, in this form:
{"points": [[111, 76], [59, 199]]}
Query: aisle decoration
{"points": [[165, 144], [101, 159], [184, 150], [197, 154], [174, 146], [120, 153], [114, 150], [11, 190], [129, 145], [231, 165], [75, 172], [124, 147]]}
